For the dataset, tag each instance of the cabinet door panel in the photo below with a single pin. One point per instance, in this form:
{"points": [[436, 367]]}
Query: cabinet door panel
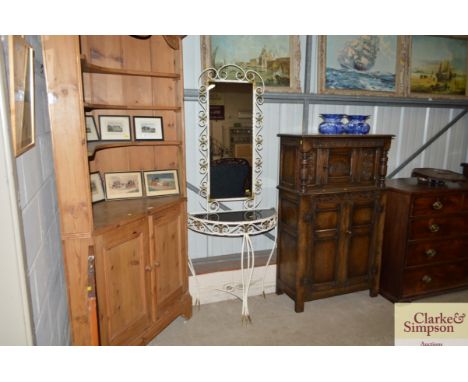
{"points": [[123, 283], [360, 245], [323, 264], [339, 166], [169, 262]]}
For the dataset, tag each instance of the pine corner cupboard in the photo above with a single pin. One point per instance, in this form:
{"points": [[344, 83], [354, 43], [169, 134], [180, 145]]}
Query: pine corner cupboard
{"points": [[138, 282], [331, 214]]}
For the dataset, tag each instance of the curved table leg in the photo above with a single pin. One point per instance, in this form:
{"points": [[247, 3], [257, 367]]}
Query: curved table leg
{"points": [[246, 242], [197, 284]]}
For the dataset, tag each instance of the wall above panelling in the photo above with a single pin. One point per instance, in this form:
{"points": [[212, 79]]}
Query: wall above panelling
{"points": [[412, 122]]}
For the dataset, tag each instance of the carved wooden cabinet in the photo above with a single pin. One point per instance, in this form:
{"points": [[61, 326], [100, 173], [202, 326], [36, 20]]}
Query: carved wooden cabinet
{"points": [[426, 239], [331, 211]]}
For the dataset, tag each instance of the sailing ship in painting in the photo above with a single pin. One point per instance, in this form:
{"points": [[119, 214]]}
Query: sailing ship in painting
{"points": [[353, 63], [438, 65], [359, 54]]}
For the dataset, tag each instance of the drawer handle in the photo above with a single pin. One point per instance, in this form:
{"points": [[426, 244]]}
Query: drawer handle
{"points": [[434, 227], [437, 205], [426, 279], [431, 252]]}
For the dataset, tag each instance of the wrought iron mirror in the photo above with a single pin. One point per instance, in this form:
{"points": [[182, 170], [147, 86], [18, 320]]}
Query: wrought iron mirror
{"points": [[230, 141]]}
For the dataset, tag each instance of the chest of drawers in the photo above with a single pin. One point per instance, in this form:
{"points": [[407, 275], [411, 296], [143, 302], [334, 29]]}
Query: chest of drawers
{"points": [[425, 247]]}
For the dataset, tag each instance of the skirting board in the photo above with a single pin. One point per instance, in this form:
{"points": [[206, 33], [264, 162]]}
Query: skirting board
{"points": [[221, 286]]}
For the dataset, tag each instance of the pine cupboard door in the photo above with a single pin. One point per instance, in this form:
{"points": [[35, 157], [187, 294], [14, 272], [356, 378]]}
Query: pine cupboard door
{"points": [[168, 257], [123, 283]]}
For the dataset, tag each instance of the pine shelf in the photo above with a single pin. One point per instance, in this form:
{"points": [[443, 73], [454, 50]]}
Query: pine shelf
{"points": [[92, 68], [97, 106], [94, 147]]}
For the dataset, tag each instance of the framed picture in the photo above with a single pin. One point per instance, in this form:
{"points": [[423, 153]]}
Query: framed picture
{"points": [[123, 185], [21, 73], [438, 67], [115, 127], [148, 128], [97, 189], [92, 134], [276, 58], [362, 65], [159, 183]]}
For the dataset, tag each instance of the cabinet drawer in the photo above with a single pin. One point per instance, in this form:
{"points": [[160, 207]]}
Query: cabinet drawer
{"points": [[434, 278], [435, 227], [435, 251], [436, 204]]}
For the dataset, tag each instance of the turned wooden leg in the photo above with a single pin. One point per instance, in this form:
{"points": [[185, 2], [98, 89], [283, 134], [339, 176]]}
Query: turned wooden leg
{"points": [[299, 306]]}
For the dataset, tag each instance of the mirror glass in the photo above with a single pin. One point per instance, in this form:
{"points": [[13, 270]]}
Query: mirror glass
{"points": [[230, 139]]}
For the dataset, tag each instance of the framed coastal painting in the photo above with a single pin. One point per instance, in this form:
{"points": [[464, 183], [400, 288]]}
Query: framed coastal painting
{"points": [[161, 183], [438, 67], [123, 185], [21, 73], [276, 58], [362, 65]]}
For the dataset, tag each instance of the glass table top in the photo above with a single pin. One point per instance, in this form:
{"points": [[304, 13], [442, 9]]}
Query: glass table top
{"points": [[237, 216]]}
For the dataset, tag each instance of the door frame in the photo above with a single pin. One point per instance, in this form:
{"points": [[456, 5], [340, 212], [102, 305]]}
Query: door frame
{"points": [[16, 321]]}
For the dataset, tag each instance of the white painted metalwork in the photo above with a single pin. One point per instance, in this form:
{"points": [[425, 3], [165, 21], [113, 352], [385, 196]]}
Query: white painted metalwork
{"points": [[234, 74], [254, 222]]}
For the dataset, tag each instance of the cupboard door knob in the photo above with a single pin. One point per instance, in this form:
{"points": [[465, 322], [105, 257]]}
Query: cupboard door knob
{"points": [[437, 205], [157, 264], [148, 268], [431, 252], [426, 279], [434, 227]]}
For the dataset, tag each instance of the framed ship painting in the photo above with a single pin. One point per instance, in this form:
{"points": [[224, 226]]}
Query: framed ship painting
{"points": [[362, 65], [438, 67], [276, 58]]}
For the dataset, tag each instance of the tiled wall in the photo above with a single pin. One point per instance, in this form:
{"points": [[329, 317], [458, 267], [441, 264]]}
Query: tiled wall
{"points": [[38, 204]]}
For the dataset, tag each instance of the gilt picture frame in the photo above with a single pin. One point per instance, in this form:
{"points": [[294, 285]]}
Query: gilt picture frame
{"points": [[276, 58], [22, 100], [362, 65], [123, 185], [438, 67]]}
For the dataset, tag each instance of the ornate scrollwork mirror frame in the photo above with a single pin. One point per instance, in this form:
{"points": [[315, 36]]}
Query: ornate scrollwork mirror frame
{"points": [[234, 74]]}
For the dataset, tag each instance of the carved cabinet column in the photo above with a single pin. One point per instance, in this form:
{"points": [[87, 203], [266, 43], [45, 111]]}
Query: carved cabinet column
{"points": [[331, 214]]}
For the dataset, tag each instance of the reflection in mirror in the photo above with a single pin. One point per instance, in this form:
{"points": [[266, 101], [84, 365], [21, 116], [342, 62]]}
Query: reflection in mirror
{"points": [[230, 139]]}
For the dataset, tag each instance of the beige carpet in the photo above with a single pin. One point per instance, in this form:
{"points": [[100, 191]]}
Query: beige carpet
{"points": [[351, 319]]}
